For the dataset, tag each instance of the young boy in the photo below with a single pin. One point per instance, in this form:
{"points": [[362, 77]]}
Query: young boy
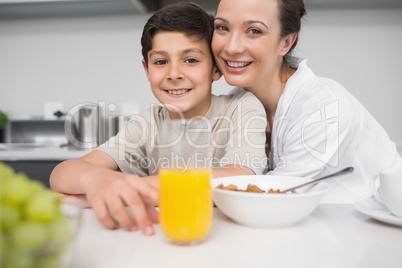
{"points": [[179, 65]]}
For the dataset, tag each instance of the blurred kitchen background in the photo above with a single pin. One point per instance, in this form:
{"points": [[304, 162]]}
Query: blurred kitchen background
{"points": [[56, 55]]}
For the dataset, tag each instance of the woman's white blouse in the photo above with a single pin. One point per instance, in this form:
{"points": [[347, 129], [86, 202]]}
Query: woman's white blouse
{"points": [[320, 128]]}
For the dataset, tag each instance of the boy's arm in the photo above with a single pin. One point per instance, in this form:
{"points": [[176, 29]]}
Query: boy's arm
{"points": [[70, 176], [108, 191]]}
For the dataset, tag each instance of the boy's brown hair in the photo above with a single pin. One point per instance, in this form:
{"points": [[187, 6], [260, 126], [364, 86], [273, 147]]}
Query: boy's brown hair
{"points": [[188, 18]]}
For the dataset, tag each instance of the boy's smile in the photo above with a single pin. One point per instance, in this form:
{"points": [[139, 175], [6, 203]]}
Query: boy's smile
{"points": [[178, 92], [180, 70]]}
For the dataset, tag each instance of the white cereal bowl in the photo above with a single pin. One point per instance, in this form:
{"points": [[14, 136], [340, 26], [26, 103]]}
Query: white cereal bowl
{"points": [[263, 210]]}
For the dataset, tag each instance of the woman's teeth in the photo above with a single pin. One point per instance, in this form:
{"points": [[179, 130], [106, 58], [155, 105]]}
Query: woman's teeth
{"points": [[237, 64], [178, 92]]}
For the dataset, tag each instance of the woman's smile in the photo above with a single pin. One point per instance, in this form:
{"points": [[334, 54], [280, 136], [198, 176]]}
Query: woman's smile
{"points": [[236, 66]]}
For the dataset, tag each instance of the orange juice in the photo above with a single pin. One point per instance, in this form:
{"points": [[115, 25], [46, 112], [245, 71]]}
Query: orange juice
{"points": [[185, 204]]}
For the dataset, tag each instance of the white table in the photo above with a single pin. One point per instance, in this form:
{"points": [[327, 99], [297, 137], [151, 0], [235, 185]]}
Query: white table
{"points": [[335, 235]]}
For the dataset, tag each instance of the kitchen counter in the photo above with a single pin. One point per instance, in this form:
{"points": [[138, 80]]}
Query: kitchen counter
{"points": [[42, 153], [40, 140], [335, 235], [38, 162]]}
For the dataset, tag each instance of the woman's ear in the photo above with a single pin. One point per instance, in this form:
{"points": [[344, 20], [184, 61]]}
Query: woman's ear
{"points": [[287, 43], [216, 74], [144, 65]]}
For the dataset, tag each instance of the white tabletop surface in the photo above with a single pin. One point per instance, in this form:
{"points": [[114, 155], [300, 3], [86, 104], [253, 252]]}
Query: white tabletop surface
{"points": [[335, 235]]}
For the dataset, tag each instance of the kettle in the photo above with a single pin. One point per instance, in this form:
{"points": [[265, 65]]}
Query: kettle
{"points": [[88, 126]]}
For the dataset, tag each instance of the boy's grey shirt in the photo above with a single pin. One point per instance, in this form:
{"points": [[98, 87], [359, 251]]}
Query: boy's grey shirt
{"points": [[238, 124]]}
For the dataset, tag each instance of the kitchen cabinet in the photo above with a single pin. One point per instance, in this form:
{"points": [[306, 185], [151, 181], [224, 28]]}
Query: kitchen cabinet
{"points": [[39, 170], [38, 163], [35, 147], [55, 8]]}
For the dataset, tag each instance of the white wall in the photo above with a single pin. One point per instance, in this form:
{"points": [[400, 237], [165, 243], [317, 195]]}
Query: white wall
{"points": [[92, 59]]}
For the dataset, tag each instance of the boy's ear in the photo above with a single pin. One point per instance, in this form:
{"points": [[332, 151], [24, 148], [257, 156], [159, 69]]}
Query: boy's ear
{"points": [[216, 75], [288, 42], [144, 65]]}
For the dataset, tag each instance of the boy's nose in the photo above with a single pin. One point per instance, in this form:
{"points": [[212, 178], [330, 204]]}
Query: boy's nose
{"points": [[174, 73]]}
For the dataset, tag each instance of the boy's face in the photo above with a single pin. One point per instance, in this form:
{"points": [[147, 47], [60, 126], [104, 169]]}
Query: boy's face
{"points": [[180, 71]]}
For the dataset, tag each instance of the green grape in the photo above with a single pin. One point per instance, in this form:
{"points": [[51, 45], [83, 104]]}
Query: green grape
{"points": [[28, 236], [18, 260], [6, 172], [4, 246], [9, 216], [43, 206], [58, 230], [19, 189], [34, 232], [36, 187], [48, 261]]}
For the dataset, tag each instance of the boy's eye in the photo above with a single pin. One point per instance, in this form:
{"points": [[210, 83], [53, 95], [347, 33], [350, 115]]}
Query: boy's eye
{"points": [[191, 60], [221, 28], [160, 62]]}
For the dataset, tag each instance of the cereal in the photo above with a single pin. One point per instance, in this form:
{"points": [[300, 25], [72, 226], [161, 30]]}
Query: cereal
{"points": [[251, 188]]}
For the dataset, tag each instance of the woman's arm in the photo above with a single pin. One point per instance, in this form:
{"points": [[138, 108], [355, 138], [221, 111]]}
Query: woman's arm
{"points": [[231, 170]]}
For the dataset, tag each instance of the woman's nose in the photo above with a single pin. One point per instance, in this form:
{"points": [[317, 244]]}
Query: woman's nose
{"points": [[234, 44]]}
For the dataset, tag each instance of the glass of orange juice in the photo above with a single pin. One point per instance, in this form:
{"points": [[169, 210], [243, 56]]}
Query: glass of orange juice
{"points": [[185, 204]]}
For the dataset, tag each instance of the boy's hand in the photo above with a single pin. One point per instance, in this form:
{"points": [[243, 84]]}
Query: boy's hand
{"points": [[109, 195]]}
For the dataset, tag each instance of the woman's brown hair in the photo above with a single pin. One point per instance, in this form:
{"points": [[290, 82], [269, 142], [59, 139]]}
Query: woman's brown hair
{"points": [[290, 14]]}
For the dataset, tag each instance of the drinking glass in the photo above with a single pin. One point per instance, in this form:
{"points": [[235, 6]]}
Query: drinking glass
{"points": [[185, 206]]}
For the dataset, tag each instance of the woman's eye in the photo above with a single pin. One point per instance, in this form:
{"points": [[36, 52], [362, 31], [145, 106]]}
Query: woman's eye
{"points": [[255, 31], [191, 60], [221, 28]]}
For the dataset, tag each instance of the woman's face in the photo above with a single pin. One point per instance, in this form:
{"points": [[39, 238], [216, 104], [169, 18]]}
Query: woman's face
{"points": [[246, 41]]}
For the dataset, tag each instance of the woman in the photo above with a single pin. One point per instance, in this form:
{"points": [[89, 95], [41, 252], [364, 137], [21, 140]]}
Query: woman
{"points": [[316, 127]]}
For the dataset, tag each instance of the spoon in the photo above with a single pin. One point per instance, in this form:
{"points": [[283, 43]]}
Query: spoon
{"points": [[341, 172]]}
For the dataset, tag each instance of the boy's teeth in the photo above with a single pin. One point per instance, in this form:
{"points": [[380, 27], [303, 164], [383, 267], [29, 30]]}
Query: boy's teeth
{"points": [[237, 64], [177, 92]]}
